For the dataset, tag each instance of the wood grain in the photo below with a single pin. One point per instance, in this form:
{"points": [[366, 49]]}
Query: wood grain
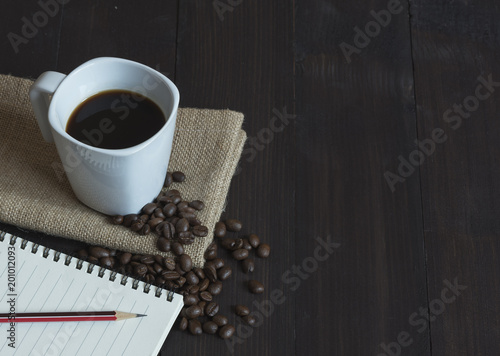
{"points": [[453, 47], [355, 118]]}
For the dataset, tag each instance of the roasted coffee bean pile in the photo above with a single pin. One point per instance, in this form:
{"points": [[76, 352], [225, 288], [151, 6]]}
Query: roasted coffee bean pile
{"points": [[172, 218], [175, 222]]}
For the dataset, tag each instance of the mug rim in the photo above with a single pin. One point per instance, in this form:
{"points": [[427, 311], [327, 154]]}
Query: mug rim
{"points": [[118, 151]]}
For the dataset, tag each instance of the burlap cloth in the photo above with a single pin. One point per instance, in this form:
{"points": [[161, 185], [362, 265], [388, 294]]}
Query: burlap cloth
{"points": [[35, 194]]}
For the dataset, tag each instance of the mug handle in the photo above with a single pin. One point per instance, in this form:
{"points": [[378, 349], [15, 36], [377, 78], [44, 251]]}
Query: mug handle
{"points": [[40, 95]]}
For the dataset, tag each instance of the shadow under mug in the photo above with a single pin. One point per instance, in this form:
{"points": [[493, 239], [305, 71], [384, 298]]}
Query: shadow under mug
{"points": [[111, 181]]}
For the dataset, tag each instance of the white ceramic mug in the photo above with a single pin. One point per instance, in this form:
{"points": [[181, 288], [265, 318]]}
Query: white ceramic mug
{"points": [[112, 181]]}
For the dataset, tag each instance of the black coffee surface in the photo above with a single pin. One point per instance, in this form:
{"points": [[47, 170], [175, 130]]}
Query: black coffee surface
{"points": [[115, 119]]}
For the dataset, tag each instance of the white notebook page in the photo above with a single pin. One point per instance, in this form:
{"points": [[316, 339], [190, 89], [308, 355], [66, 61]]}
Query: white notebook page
{"points": [[43, 285]]}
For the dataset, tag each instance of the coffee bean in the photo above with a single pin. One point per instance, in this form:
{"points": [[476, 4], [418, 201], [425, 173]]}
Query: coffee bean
{"points": [[220, 229], [159, 213], [149, 208], [224, 273], [247, 265], [137, 225], [177, 248], [183, 324], [98, 252], [145, 230], [129, 219], [125, 258], [117, 219], [202, 305], [179, 270], [169, 230], [255, 287], [211, 308], [186, 262], [215, 288], [169, 263], [186, 215], [93, 260], [163, 244], [263, 250], [170, 275], [186, 209], [200, 231], [82, 254], [249, 319], [210, 327], [226, 331], [199, 272], [169, 210], [181, 281], [218, 263], [182, 225], [246, 245], [147, 259], [211, 273], [204, 284], [140, 269], [191, 278], [240, 254], [210, 254], [193, 312], [107, 262], [254, 240], [233, 225], [178, 176], [206, 296], [190, 299], [220, 320], [195, 222], [144, 218], [193, 289], [241, 310], [155, 221], [197, 204], [185, 237], [228, 244], [157, 267], [195, 327], [168, 180], [151, 270]]}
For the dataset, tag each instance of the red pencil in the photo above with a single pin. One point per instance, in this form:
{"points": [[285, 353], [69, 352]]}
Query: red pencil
{"points": [[67, 316]]}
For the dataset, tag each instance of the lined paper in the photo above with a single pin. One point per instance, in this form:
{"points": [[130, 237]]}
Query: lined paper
{"points": [[43, 285]]}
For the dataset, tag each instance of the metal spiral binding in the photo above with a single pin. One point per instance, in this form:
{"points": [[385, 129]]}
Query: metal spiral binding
{"points": [[57, 255], [46, 251], [90, 267], [67, 260]]}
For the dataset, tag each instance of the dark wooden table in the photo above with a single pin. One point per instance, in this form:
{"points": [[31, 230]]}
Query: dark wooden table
{"points": [[386, 145]]}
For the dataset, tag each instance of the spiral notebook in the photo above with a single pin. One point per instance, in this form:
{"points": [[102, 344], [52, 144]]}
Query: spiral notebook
{"points": [[34, 278]]}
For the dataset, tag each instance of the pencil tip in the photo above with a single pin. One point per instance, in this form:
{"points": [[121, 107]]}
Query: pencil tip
{"points": [[139, 315]]}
